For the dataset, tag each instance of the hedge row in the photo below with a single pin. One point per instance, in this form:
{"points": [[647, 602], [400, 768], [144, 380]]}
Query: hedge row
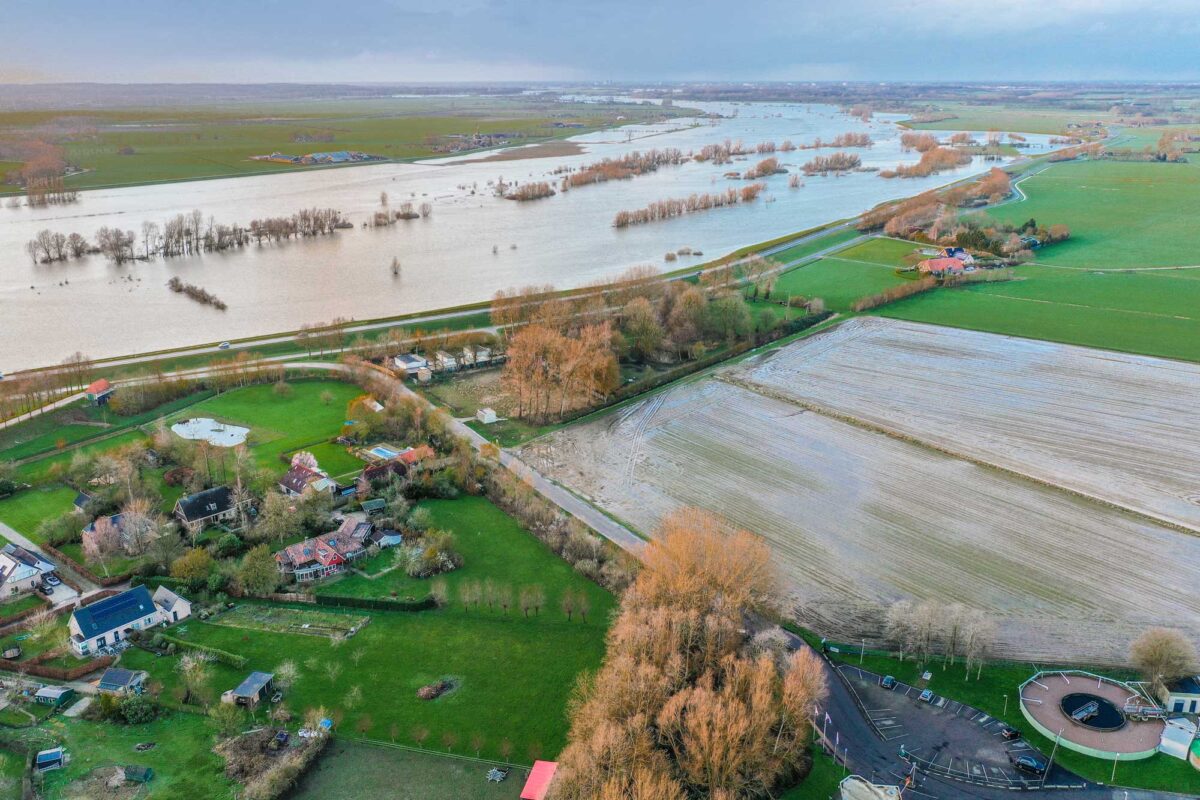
{"points": [[20, 615], [377, 604], [223, 656], [56, 673]]}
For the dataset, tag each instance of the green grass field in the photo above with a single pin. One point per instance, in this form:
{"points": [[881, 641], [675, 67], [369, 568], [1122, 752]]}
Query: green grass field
{"points": [[1121, 214], [203, 142], [971, 117], [515, 673], [852, 273], [282, 424], [25, 510], [815, 246], [372, 772]]}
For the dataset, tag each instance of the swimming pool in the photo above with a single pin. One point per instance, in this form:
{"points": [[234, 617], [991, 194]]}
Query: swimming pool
{"points": [[383, 452]]}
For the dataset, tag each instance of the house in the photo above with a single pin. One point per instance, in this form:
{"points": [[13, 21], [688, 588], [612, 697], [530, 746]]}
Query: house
{"points": [[378, 472], [325, 555], [251, 691], [385, 537], [173, 607], [941, 266], [300, 480], [56, 696], [110, 620], [22, 569], [444, 361], [46, 760], [410, 363], [99, 392], [487, 416], [197, 511], [117, 681], [1183, 695], [537, 785]]}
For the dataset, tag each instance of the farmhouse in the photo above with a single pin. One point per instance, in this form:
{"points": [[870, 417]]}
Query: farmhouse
{"points": [[415, 455], [1183, 695], [941, 266], [197, 511], [960, 253], [410, 363], [110, 620], [119, 681], [327, 554], [173, 607], [251, 691], [99, 392]]}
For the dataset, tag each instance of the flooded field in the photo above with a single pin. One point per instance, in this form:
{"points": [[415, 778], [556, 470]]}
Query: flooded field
{"points": [[1108, 425], [860, 518]]}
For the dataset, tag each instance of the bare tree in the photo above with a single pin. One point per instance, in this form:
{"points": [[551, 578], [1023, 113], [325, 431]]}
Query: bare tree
{"points": [[1163, 655]]}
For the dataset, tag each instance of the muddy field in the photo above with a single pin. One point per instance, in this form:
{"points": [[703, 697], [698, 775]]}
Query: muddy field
{"points": [[1112, 426], [860, 518]]}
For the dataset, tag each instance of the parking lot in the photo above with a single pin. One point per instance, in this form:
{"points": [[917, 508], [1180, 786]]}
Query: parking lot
{"points": [[944, 737]]}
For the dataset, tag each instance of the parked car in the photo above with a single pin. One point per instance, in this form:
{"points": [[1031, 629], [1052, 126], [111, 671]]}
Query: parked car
{"points": [[223, 346], [50, 579], [888, 682], [1028, 764], [1009, 733], [46, 590], [927, 696]]}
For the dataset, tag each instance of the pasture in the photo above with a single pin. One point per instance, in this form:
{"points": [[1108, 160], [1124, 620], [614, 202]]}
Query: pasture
{"points": [[24, 511], [972, 117], [513, 673], [860, 519], [849, 274]]}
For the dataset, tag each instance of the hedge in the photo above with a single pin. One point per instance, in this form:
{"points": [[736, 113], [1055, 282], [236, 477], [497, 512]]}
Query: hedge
{"points": [[56, 673], [223, 656], [20, 615], [377, 604]]}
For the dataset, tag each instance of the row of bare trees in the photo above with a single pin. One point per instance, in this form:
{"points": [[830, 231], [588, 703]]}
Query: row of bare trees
{"points": [[202, 296], [930, 629], [623, 168], [677, 207], [850, 139], [763, 169], [686, 705], [932, 161], [51, 246]]}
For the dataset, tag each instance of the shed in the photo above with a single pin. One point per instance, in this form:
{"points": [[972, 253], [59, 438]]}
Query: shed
{"points": [[1177, 737], [56, 696], [374, 506], [487, 416], [99, 392], [424, 375], [46, 760], [538, 784], [250, 691], [121, 681]]}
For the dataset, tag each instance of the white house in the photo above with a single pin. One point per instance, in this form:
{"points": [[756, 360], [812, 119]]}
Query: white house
{"points": [[111, 620], [21, 570], [173, 607], [409, 363], [444, 361]]}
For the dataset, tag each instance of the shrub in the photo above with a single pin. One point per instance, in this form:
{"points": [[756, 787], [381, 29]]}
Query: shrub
{"points": [[137, 709], [228, 545], [217, 581], [433, 555]]}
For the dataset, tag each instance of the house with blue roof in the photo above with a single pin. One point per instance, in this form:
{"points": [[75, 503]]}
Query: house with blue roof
{"points": [[111, 620]]}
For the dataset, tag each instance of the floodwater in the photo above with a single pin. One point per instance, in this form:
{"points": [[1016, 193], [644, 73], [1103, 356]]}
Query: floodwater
{"points": [[473, 244]]}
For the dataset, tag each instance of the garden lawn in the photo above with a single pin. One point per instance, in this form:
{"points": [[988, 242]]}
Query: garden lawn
{"points": [[116, 564], [1003, 679], [12, 768], [370, 772], [281, 424], [336, 460], [1120, 214], [821, 783], [22, 603], [1154, 313], [185, 768], [493, 546], [24, 511]]}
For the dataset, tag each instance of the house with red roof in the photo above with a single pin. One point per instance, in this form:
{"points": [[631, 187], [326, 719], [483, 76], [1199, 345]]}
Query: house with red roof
{"points": [[417, 454], [99, 392], [310, 560], [540, 778], [941, 266]]}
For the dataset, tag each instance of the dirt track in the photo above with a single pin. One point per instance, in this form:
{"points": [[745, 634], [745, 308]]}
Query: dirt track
{"points": [[859, 518]]}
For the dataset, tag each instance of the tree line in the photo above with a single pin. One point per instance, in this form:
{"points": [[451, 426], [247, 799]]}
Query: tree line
{"points": [[623, 168], [202, 296], [676, 207], [835, 163]]}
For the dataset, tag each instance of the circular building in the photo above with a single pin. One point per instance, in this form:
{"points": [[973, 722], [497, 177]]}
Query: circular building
{"points": [[1093, 715]]}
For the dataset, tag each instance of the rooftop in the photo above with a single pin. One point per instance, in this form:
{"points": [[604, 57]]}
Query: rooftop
{"points": [[539, 780], [114, 612], [253, 684]]}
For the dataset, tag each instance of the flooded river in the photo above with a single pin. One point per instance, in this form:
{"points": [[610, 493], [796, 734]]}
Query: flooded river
{"points": [[472, 245]]}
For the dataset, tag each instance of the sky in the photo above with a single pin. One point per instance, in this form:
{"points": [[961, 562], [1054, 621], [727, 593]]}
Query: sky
{"points": [[257, 41]]}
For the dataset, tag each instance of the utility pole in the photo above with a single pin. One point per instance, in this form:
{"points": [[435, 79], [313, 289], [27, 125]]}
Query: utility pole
{"points": [[1053, 752]]}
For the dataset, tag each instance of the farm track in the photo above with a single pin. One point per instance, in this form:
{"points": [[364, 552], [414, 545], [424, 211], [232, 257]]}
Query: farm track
{"points": [[859, 517]]}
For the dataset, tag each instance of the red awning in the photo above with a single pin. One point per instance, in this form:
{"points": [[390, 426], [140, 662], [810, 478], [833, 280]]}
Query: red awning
{"points": [[539, 780]]}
